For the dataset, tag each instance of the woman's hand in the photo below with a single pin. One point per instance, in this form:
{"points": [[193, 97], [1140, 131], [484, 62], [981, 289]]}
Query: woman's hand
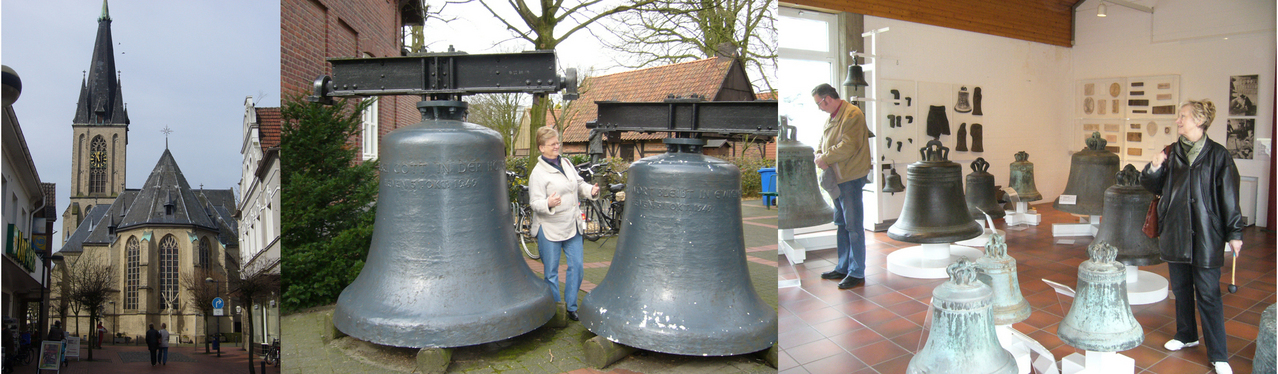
{"points": [[594, 191], [553, 200], [1158, 159], [1237, 245]]}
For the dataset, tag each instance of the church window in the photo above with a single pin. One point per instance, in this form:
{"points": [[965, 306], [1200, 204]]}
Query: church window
{"points": [[131, 278], [205, 253], [168, 272], [97, 165]]}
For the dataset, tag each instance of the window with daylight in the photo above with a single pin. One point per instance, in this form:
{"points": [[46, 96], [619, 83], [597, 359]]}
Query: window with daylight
{"points": [[370, 131], [168, 272], [131, 251], [205, 253], [97, 170]]}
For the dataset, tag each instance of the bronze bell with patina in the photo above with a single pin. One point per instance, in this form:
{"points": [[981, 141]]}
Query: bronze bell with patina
{"points": [[800, 203], [1266, 345], [980, 192], [892, 181], [1021, 178], [935, 210], [856, 77], [442, 268], [962, 338], [1126, 204], [1101, 318], [679, 282], [1091, 171], [999, 271]]}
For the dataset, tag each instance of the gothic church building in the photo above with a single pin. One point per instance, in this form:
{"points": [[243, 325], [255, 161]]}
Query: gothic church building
{"points": [[152, 236]]}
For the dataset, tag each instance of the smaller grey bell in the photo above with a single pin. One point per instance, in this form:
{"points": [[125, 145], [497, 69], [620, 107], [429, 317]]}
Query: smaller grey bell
{"points": [[964, 105], [1263, 361], [856, 77]]}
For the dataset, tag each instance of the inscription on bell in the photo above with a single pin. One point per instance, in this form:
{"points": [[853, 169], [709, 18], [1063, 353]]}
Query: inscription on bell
{"points": [[429, 184], [445, 167]]}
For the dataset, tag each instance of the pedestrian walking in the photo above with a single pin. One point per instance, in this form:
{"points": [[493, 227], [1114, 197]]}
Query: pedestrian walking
{"points": [[152, 342], [102, 331]]}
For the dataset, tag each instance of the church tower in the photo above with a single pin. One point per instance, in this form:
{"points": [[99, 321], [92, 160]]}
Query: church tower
{"points": [[100, 133]]}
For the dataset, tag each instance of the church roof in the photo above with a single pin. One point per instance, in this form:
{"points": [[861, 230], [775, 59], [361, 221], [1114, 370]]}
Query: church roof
{"points": [[87, 227], [164, 200], [101, 101]]}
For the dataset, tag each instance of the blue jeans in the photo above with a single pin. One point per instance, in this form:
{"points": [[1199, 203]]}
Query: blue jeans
{"points": [[164, 355], [849, 216], [550, 265]]}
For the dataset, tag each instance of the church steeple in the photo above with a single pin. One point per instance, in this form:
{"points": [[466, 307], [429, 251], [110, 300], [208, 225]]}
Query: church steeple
{"points": [[101, 101]]}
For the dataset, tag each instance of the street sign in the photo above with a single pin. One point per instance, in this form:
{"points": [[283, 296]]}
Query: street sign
{"points": [[218, 306]]}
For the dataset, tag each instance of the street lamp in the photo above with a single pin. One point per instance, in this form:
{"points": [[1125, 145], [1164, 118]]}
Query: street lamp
{"points": [[218, 334]]}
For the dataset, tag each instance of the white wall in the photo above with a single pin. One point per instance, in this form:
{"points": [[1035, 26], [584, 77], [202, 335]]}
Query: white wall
{"points": [[1024, 86], [1122, 45]]}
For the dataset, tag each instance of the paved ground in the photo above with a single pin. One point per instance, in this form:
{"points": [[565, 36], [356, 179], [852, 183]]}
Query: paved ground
{"points": [[309, 346], [112, 359]]}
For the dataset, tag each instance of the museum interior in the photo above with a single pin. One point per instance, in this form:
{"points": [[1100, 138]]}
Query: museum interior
{"points": [[1004, 230]]}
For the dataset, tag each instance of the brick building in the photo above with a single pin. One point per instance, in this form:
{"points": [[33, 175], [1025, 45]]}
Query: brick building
{"points": [[313, 30]]}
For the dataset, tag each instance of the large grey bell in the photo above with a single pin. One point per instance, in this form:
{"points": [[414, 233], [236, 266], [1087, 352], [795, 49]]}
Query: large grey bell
{"points": [[443, 269], [980, 192], [679, 282], [963, 105], [1126, 204], [999, 271], [935, 210], [1091, 171], [1263, 361], [800, 203], [962, 338], [1021, 178], [856, 77], [1101, 318], [892, 181]]}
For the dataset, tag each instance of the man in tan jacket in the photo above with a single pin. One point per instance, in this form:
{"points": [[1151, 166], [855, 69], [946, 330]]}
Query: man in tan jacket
{"points": [[845, 152]]}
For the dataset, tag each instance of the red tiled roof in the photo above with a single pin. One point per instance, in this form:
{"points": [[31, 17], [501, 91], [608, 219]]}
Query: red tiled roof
{"points": [[702, 77], [771, 95], [268, 121]]}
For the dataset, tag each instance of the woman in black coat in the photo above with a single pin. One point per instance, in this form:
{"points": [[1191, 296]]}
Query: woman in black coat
{"points": [[1197, 215]]}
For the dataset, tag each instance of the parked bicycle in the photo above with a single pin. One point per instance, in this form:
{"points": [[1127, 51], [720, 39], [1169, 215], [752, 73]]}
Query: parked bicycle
{"points": [[522, 213], [603, 215], [271, 352]]}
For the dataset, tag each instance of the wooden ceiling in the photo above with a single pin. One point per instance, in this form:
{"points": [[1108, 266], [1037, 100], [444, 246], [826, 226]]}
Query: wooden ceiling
{"points": [[1043, 21]]}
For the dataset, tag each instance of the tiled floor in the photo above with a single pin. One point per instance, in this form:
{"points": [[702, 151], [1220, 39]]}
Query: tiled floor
{"points": [[877, 328]]}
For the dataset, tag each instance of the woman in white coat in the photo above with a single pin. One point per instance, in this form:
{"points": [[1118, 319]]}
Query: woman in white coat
{"points": [[554, 189]]}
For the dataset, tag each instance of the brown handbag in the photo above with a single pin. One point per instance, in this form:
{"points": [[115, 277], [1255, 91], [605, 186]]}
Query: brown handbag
{"points": [[1151, 217]]}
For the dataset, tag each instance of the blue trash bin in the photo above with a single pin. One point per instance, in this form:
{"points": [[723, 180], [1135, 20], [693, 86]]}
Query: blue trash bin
{"points": [[768, 178]]}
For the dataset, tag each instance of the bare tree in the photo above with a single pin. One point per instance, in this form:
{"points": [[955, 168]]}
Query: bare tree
{"points": [[202, 293], [260, 280], [537, 25], [90, 283], [670, 31], [500, 112]]}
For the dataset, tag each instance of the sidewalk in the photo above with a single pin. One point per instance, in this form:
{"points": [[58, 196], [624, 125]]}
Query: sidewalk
{"points": [[309, 346], [112, 359]]}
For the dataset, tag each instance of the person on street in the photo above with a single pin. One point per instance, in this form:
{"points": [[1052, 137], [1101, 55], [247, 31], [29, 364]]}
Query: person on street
{"points": [[153, 342], [164, 343]]}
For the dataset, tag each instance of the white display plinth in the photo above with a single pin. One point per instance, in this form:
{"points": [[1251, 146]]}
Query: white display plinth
{"points": [[1022, 215], [1144, 287], [1014, 342], [795, 243], [1098, 363], [979, 242], [1085, 227], [928, 261]]}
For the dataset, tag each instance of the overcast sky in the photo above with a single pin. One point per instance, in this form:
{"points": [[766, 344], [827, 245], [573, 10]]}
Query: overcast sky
{"points": [[187, 65]]}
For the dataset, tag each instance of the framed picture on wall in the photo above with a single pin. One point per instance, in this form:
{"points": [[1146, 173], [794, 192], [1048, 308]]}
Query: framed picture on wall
{"points": [[1241, 138], [1242, 95], [1152, 96]]}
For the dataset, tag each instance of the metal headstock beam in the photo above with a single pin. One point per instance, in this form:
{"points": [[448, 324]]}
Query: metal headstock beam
{"points": [[446, 74], [690, 117]]}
